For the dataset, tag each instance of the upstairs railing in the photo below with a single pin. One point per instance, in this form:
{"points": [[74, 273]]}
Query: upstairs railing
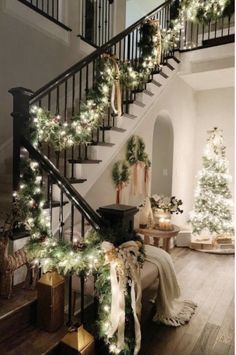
{"points": [[96, 21], [51, 9], [206, 34]]}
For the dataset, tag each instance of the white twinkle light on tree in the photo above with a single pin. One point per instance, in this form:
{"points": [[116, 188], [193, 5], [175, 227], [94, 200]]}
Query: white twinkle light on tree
{"points": [[213, 203]]}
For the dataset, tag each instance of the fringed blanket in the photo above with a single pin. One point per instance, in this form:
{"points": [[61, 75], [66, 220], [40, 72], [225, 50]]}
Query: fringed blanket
{"points": [[170, 309]]}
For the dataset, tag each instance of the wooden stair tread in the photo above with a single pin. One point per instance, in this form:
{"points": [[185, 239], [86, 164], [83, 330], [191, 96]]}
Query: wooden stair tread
{"points": [[16, 313], [148, 92], [139, 103], [101, 144], [156, 83], [129, 115], [118, 129], [32, 340], [54, 204], [164, 75], [175, 59], [77, 180], [110, 128], [85, 161], [170, 66], [21, 297]]}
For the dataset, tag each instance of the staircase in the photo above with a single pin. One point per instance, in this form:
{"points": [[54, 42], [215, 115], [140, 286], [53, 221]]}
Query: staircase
{"points": [[69, 176]]}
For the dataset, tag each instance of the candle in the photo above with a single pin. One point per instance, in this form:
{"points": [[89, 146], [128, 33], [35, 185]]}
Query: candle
{"points": [[165, 224]]}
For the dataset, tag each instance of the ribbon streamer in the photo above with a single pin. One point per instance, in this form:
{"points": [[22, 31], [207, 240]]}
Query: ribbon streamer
{"points": [[125, 258], [146, 180], [116, 96], [137, 185], [158, 48]]}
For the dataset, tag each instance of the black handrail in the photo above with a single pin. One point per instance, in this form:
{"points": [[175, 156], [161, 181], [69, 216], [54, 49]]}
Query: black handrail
{"points": [[48, 9], [85, 61], [74, 196]]}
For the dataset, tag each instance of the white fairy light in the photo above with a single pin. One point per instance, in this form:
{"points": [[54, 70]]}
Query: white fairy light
{"points": [[106, 308]]}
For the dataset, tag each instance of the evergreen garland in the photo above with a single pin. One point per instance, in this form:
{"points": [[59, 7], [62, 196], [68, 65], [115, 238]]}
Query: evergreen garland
{"points": [[210, 11], [146, 42], [174, 9], [229, 8]]}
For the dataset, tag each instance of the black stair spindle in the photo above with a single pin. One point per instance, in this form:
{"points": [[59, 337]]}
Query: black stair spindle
{"points": [[82, 280], [72, 113], [53, 8], [65, 122], [61, 215], [99, 22], [50, 198], [83, 18], [229, 20], [57, 12]]}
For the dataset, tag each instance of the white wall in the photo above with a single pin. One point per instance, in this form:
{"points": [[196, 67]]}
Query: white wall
{"points": [[29, 57], [135, 9], [215, 108], [162, 160]]}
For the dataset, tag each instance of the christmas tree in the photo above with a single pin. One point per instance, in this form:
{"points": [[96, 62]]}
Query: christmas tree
{"points": [[213, 202]]}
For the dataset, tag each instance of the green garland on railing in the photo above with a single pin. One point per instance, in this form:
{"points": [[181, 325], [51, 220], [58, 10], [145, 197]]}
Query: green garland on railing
{"points": [[212, 10], [88, 258], [229, 8], [30, 202], [49, 128], [200, 11]]}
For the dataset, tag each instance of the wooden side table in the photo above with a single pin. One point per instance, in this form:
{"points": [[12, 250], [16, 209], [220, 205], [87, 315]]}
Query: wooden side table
{"points": [[157, 234]]}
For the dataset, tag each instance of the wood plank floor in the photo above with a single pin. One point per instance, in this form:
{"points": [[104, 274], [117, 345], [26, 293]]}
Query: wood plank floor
{"points": [[208, 280]]}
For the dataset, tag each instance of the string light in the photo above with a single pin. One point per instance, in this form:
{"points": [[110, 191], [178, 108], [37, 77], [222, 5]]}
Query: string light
{"points": [[213, 203]]}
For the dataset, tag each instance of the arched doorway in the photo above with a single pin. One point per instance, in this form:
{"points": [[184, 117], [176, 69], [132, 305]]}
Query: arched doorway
{"points": [[162, 155]]}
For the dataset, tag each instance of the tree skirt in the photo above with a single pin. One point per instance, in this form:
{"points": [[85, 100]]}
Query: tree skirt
{"points": [[216, 251], [207, 245]]}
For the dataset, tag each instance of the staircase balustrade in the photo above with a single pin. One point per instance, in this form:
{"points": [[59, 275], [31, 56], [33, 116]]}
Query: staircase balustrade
{"points": [[65, 96], [201, 35], [79, 209], [47, 8]]}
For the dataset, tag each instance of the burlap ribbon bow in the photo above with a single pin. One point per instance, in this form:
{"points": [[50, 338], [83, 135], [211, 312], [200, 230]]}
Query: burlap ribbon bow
{"points": [[123, 262]]}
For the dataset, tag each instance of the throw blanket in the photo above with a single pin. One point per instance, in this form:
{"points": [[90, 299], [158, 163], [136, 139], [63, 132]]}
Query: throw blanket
{"points": [[170, 309]]}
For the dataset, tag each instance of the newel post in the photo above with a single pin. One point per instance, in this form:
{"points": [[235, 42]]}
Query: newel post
{"points": [[121, 216], [20, 114]]}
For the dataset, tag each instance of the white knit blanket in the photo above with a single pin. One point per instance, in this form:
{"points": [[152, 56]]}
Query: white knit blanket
{"points": [[170, 309]]}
